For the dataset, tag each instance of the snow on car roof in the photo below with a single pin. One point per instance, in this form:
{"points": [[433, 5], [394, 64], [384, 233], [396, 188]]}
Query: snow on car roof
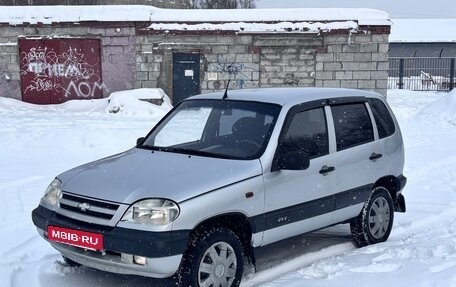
{"points": [[16, 15], [284, 96]]}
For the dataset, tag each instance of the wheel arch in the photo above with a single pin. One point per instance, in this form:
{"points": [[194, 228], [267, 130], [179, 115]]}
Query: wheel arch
{"points": [[238, 223], [391, 183]]}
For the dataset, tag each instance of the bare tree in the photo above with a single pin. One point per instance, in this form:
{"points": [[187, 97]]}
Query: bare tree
{"points": [[186, 4], [246, 4], [217, 4]]}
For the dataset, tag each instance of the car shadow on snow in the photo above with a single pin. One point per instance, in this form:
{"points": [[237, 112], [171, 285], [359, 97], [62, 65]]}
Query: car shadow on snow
{"points": [[280, 252], [267, 257]]}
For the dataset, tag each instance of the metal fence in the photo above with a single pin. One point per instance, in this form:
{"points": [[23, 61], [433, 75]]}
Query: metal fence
{"points": [[422, 74]]}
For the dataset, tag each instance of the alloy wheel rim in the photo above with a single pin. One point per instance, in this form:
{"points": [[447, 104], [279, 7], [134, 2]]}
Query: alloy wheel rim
{"points": [[218, 266], [379, 217]]}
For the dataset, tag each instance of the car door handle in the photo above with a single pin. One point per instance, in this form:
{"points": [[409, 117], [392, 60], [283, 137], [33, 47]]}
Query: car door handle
{"points": [[327, 169], [374, 156]]}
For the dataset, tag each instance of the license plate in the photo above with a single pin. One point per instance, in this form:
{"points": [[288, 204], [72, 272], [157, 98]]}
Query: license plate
{"points": [[83, 239]]}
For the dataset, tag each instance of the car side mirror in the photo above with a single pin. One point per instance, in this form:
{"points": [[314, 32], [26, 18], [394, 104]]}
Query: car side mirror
{"points": [[291, 160], [139, 140]]}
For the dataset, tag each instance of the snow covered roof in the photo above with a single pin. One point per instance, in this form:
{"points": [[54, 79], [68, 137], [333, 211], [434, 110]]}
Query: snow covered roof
{"points": [[423, 30], [306, 27], [362, 16], [17, 15], [311, 20]]}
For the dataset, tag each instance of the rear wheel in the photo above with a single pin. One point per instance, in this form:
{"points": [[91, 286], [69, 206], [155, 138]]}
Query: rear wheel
{"points": [[214, 257], [374, 223]]}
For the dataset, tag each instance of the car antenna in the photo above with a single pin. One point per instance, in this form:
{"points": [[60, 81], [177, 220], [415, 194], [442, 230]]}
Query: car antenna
{"points": [[231, 70]]}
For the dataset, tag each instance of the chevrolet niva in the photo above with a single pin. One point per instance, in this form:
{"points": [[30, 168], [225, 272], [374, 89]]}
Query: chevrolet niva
{"points": [[221, 175]]}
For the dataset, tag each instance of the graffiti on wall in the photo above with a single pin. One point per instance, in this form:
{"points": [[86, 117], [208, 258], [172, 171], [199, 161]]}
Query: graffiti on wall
{"points": [[238, 72], [48, 67], [54, 72]]}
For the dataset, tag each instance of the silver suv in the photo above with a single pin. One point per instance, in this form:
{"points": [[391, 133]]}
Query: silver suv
{"points": [[220, 176]]}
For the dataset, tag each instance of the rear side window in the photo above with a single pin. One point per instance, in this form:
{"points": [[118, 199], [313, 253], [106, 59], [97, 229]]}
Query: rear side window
{"points": [[385, 124], [353, 125], [307, 132]]}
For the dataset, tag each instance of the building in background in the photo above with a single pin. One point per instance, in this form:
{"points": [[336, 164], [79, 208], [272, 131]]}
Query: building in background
{"points": [[156, 3], [417, 38], [54, 54], [422, 54]]}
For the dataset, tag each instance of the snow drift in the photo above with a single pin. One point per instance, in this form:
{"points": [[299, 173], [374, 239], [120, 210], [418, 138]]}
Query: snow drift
{"points": [[128, 103], [441, 111], [134, 102]]}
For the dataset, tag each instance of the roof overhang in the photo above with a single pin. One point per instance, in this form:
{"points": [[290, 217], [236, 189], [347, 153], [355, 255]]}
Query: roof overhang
{"points": [[156, 20]]}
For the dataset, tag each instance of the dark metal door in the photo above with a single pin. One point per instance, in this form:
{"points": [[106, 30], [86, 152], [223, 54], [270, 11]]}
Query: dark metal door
{"points": [[56, 70], [186, 76]]}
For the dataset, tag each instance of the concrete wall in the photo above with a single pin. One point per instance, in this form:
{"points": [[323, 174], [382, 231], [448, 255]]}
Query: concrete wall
{"points": [[9, 67], [356, 61], [117, 50], [133, 57], [350, 61]]}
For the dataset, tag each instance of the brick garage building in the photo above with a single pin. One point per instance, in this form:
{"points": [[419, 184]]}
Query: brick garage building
{"points": [[84, 52], [156, 3]]}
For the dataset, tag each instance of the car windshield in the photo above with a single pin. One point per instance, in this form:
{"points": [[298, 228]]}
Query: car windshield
{"points": [[216, 128]]}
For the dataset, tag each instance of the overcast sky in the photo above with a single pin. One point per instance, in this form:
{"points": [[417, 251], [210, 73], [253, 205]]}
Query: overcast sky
{"points": [[396, 8]]}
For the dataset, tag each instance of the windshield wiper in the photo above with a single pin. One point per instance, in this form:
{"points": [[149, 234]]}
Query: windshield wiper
{"points": [[186, 151], [148, 147]]}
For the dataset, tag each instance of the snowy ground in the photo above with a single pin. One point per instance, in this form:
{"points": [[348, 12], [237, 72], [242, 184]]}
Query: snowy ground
{"points": [[36, 143]]}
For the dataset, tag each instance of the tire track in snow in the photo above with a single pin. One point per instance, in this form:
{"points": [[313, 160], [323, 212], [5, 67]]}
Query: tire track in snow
{"points": [[423, 223], [296, 264], [387, 257], [444, 217], [32, 269], [422, 174], [12, 202], [443, 267], [20, 247], [19, 182], [14, 276]]}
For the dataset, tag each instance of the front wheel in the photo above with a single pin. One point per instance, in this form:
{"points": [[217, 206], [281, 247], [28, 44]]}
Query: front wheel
{"points": [[214, 257], [374, 223]]}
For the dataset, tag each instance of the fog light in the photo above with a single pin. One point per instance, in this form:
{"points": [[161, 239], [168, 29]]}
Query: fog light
{"points": [[139, 260], [128, 258]]}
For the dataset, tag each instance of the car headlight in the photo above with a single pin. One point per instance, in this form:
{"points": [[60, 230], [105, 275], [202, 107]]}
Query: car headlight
{"points": [[152, 212], [53, 193]]}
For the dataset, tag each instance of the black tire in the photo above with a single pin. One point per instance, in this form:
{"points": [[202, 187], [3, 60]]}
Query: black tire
{"points": [[379, 209], [202, 244], [70, 262]]}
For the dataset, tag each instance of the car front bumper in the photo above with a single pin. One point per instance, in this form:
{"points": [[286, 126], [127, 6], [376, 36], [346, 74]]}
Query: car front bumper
{"points": [[162, 251]]}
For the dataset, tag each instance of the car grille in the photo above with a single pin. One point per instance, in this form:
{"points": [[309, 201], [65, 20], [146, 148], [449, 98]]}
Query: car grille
{"points": [[89, 209]]}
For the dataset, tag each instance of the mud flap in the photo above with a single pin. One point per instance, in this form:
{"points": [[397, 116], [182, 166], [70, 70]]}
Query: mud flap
{"points": [[399, 205]]}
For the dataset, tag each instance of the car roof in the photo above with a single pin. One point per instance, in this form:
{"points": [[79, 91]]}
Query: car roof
{"points": [[283, 96]]}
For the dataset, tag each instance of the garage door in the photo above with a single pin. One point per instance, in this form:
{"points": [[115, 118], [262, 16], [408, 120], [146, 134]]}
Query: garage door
{"points": [[57, 70]]}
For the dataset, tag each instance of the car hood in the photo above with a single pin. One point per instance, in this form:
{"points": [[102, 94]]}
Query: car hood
{"points": [[137, 174]]}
